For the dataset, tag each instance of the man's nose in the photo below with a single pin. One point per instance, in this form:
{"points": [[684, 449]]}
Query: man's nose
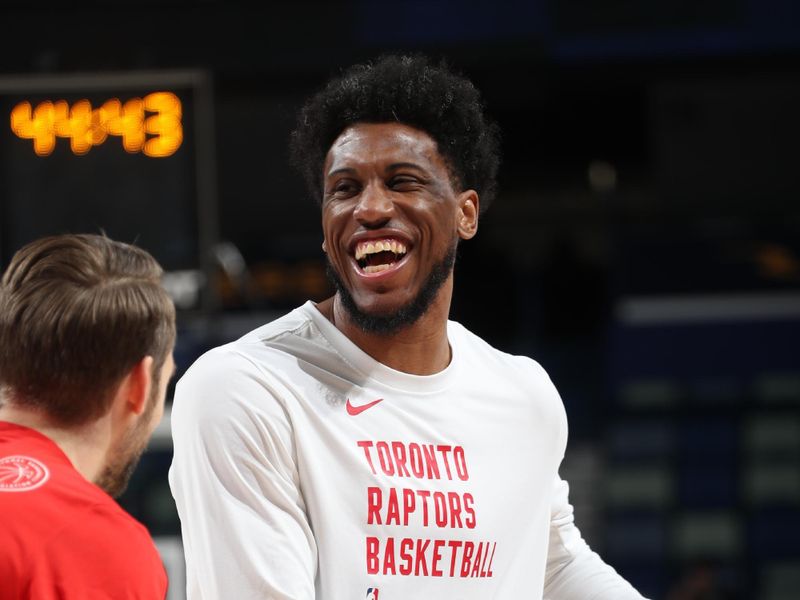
{"points": [[375, 207]]}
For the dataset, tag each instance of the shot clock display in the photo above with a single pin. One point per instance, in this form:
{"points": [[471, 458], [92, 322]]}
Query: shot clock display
{"points": [[129, 154]]}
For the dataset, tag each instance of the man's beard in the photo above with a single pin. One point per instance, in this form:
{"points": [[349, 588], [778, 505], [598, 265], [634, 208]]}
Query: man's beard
{"points": [[387, 324], [117, 472], [125, 455]]}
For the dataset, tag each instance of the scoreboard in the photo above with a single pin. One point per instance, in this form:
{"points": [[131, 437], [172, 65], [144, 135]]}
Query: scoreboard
{"points": [[130, 154], [85, 126]]}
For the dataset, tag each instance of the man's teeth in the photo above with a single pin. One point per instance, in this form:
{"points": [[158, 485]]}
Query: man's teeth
{"points": [[365, 248], [375, 268]]}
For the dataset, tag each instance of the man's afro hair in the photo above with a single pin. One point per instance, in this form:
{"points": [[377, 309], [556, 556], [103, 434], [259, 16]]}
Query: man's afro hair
{"points": [[409, 90]]}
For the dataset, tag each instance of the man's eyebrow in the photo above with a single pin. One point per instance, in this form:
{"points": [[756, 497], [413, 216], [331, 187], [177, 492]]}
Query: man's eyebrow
{"points": [[348, 170], [406, 165], [392, 167]]}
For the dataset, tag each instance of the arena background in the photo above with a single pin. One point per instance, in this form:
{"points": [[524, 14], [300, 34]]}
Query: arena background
{"points": [[644, 247]]}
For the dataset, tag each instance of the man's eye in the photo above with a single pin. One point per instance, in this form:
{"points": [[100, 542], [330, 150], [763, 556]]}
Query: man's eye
{"points": [[402, 183], [344, 187]]}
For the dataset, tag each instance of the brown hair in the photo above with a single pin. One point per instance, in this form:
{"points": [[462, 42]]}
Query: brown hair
{"points": [[77, 312]]}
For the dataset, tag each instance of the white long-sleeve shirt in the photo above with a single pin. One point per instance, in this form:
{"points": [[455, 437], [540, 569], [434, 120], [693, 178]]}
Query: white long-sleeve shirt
{"points": [[305, 469]]}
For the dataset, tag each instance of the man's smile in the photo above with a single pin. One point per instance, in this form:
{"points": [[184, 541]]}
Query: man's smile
{"points": [[378, 255]]}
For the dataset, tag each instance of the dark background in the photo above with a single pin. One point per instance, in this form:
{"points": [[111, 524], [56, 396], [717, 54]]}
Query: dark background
{"points": [[644, 247]]}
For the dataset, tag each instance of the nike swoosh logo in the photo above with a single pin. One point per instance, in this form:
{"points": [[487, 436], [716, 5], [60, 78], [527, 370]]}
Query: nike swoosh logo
{"points": [[357, 410]]}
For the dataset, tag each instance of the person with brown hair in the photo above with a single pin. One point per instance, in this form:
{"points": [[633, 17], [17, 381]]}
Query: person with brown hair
{"points": [[86, 339]]}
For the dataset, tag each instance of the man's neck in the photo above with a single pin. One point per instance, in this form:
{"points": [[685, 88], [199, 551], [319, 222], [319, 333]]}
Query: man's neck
{"points": [[421, 348], [85, 446]]}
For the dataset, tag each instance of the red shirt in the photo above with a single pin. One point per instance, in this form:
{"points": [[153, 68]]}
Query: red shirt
{"points": [[62, 537]]}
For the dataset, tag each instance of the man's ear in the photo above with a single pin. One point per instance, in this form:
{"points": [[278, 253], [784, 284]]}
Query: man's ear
{"points": [[468, 212], [136, 385]]}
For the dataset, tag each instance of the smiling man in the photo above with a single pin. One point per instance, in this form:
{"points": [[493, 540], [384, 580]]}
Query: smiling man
{"points": [[366, 446]]}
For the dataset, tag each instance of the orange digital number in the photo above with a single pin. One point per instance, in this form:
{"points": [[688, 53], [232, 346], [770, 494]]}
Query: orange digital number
{"points": [[126, 121], [157, 135], [84, 127], [165, 125], [39, 124]]}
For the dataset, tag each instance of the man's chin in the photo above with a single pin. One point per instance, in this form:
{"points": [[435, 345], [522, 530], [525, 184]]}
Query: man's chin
{"points": [[380, 317], [386, 317], [383, 324], [374, 308]]}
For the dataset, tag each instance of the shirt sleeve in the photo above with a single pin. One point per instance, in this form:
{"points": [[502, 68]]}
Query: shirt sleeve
{"points": [[234, 478], [574, 571]]}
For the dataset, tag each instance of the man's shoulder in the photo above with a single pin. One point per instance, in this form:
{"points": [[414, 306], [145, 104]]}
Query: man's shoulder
{"points": [[96, 548], [279, 335], [48, 489], [518, 376], [65, 510], [290, 324], [481, 352], [110, 519], [80, 544], [247, 372]]}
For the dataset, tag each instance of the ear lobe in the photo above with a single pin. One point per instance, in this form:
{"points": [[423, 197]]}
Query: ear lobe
{"points": [[324, 247], [468, 214]]}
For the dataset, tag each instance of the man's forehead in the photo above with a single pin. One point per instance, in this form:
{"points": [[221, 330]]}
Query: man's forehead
{"points": [[382, 142], [386, 131]]}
